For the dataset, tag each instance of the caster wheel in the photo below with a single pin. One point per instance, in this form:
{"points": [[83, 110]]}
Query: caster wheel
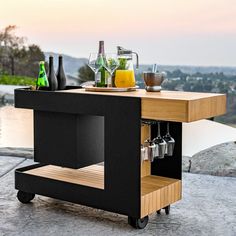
{"points": [[159, 212], [167, 210], [24, 197], [138, 223]]}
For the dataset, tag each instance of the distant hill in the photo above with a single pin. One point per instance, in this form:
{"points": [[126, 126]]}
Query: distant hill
{"points": [[193, 69], [71, 64]]}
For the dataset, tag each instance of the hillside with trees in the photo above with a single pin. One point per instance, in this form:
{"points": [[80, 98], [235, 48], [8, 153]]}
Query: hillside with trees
{"points": [[19, 65], [17, 58], [217, 82], [213, 82]]}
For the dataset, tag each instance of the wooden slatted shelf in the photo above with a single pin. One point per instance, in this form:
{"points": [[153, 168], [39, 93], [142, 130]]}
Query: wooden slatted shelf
{"points": [[92, 176], [156, 191]]}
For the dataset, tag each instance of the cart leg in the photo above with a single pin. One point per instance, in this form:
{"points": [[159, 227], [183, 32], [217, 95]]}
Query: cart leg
{"points": [[24, 197], [167, 210], [138, 223]]}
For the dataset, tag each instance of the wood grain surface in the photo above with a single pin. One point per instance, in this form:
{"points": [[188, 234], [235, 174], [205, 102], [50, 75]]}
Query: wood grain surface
{"points": [[156, 191], [145, 165], [171, 105]]}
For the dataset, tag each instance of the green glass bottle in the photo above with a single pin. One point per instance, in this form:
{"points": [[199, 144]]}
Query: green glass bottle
{"points": [[42, 80], [101, 77]]}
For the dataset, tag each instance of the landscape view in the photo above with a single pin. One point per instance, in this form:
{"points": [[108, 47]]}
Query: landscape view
{"points": [[19, 66], [91, 143]]}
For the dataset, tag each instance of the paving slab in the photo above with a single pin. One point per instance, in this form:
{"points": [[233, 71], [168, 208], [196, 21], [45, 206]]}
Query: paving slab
{"points": [[17, 152], [208, 207], [7, 163]]}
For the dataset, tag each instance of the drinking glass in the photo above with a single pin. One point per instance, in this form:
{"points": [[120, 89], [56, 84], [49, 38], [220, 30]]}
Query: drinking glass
{"points": [[95, 62], [111, 64], [161, 144], [169, 141], [149, 145]]}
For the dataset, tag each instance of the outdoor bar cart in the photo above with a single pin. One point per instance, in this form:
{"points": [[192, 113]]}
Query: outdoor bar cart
{"points": [[76, 130]]}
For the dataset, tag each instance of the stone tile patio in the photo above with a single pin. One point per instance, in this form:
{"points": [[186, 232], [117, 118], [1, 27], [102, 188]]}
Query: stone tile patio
{"points": [[208, 207]]}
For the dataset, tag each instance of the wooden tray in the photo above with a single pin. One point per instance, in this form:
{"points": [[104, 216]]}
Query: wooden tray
{"points": [[109, 89]]}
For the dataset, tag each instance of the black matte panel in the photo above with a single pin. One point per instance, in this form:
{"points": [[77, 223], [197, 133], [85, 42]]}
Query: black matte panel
{"points": [[90, 139], [54, 138], [121, 119], [68, 140], [169, 166]]}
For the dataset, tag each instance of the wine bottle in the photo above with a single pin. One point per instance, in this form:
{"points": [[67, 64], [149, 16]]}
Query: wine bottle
{"points": [[52, 79], [42, 80], [101, 75], [61, 77]]}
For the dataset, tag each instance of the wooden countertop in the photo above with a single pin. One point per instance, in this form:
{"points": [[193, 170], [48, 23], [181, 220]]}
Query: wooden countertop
{"points": [[172, 105]]}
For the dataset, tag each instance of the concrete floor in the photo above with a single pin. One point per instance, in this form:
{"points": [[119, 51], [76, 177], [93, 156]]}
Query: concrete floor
{"points": [[208, 207]]}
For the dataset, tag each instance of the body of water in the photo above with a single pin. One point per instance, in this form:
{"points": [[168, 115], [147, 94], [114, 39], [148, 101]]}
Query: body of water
{"points": [[16, 127], [16, 130]]}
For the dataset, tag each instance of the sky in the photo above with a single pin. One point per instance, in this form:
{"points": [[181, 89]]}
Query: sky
{"points": [[170, 32]]}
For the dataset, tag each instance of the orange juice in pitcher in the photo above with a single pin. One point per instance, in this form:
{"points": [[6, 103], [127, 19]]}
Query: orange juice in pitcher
{"points": [[124, 76]]}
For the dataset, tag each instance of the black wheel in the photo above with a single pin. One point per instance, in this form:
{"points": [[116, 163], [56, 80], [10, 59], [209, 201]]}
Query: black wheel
{"points": [[167, 210], [159, 212], [138, 223], [25, 197]]}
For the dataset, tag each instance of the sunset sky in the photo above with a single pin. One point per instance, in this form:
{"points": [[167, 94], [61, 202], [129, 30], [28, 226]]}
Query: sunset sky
{"points": [[190, 32]]}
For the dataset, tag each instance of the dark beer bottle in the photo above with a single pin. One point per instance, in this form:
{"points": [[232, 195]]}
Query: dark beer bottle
{"points": [[52, 79], [61, 77]]}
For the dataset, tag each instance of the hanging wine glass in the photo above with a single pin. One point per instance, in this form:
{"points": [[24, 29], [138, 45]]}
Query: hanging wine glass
{"points": [[96, 62], [111, 64], [169, 141], [161, 144], [150, 148]]}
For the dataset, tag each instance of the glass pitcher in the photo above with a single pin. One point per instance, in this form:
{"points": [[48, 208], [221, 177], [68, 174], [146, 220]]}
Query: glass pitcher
{"points": [[124, 76]]}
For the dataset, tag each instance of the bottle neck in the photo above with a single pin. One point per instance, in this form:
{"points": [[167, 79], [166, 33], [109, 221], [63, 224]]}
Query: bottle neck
{"points": [[60, 61], [101, 48], [41, 67], [51, 63]]}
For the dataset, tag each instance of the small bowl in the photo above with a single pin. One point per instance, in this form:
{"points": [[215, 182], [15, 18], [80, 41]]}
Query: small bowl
{"points": [[153, 80]]}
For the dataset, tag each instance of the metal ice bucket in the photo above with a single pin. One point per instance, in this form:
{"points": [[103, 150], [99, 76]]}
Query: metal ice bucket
{"points": [[153, 80]]}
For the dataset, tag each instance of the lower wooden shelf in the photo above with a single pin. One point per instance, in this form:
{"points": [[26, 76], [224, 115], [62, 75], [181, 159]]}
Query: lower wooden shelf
{"points": [[156, 191], [92, 176]]}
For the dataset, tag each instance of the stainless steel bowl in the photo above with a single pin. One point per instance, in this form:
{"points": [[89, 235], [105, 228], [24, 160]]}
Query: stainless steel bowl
{"points": [[153, 80]]}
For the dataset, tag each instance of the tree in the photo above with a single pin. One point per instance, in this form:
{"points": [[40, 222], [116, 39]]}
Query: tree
{"points": [[34, 55], [187, 86], [17, 58], [10, 47], [178, 74], [85, 74]]}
